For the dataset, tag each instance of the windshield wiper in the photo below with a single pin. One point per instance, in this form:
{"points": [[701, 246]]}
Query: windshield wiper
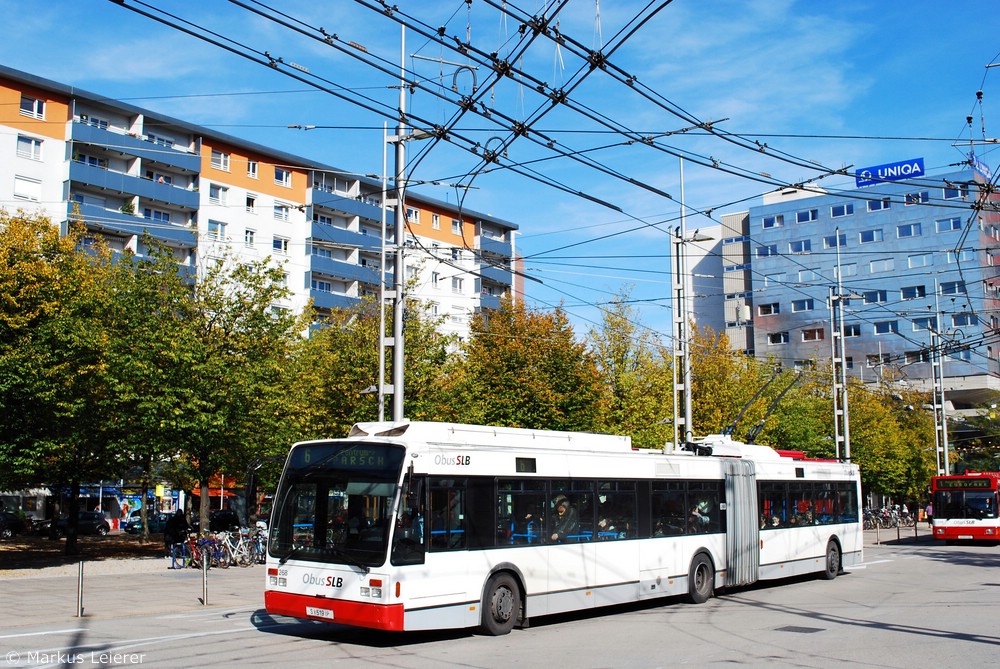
{"points": [[347, 557], [288, 556]]}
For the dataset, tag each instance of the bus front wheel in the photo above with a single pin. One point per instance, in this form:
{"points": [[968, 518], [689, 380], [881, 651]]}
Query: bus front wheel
{"points": [[832, 561], [501, 605], [701, 579]]}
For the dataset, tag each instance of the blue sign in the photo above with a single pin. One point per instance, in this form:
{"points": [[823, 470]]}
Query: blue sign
{"points": [[907, 169], [979, 166]]}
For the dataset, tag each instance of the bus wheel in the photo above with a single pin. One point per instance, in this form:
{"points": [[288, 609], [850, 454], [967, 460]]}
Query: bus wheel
{"points": [[501, 605], [701, 579], [832, 561]]}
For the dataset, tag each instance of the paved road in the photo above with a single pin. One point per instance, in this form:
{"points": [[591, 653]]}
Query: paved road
{"points": [[914, 603]]}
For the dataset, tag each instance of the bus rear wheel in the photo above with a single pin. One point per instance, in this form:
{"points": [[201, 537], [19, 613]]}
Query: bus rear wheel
{"points": [[501, 605], [701, 579], [832, 561]]}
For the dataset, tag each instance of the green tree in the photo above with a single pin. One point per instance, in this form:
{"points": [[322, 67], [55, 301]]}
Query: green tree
{"points": [[56, 366], [524, 368], [636, 376]]}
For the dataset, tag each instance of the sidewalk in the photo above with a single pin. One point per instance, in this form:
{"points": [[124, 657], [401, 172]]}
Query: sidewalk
{"points": [[120, 588]]}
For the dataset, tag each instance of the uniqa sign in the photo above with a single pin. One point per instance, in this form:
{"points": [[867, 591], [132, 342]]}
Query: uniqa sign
{"points": [[869, 176]]}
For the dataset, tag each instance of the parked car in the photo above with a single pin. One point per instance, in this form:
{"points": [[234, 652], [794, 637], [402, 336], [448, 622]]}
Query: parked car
{"points": [[157, 521], [218, 520], [10, 525], [89, 522]]}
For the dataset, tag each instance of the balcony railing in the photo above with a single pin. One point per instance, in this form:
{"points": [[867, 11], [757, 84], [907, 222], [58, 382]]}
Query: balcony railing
{"points": [[126, 184], [350, 206], [99, 218], [335, 235], [85, 133], [497, 246]]}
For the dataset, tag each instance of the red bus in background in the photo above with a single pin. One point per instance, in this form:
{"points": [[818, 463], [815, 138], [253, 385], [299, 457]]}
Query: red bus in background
{"points": [[965, 507]]}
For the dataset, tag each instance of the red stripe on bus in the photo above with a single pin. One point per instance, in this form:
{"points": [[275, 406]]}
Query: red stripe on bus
{"points": [[361, 614]]}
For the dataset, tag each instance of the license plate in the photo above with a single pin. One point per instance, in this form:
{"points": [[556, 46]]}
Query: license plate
{"points": [[319, 613]]}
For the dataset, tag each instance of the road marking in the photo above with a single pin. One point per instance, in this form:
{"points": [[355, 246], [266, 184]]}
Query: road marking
{"points": [[14, 636], [207, 614], [865, 564]]}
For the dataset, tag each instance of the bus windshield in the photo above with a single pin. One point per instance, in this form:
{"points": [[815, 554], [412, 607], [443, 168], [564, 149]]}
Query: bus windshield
{"points": [[334, 503], [965, 504]]}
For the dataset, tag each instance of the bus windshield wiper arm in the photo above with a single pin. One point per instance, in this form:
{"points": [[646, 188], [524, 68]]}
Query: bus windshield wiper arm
{"points": [[347, 557], [288, 556]]}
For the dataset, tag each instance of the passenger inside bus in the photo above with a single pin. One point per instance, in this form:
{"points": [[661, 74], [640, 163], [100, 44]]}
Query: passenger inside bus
{"points": [[565, 522]]}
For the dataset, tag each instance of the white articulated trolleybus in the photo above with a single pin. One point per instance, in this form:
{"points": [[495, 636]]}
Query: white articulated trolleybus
{"points": [[415, 526]]}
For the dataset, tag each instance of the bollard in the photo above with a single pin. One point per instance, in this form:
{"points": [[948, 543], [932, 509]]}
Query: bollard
{"points": [[204, 578], [877, 541], [79, 591], [897, 531]]}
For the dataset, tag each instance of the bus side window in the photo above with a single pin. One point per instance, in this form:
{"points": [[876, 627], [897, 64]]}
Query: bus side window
{"points": [[447, 519]]}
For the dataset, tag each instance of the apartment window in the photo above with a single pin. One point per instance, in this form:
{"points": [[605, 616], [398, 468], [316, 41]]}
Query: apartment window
{"points": [[93, 161], [953, 288], [27, 189], [924, 323], [775, 338], [156, 215], [412, 215], [220, 160], [435, 279], [920, 260], [159, 177], [878, 205], [280, 245], [886, 265], [908, 230], [948, 224], [961, 356], [839, 210], [282, 212], [849, 362], [806, 275], [32, 107], [800, 246], [216, 229], [456, 254], [456, 226], [217, 194], [436, 221], [812, 334], [765, 251], [912, 292], [870, 236], [327, 253], [159, 140], [769, 222], [322, 286], [833, 241], [877, 360], [249, 237], [252, 169], [456, 285], [806, 215], [875, 296], [768, 309], [916, 198], [736, 268], [29, 147], [251, 203], [886, 327], [803, 364], [323, 219], [282, 177], [913, 357], [964, 320], [852, 330], [802, 305], [956, 191], [847, 269], [771, 280]]}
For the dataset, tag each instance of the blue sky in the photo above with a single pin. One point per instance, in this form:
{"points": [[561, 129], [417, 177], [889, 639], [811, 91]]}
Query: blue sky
{"points": [[824, 85]]}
